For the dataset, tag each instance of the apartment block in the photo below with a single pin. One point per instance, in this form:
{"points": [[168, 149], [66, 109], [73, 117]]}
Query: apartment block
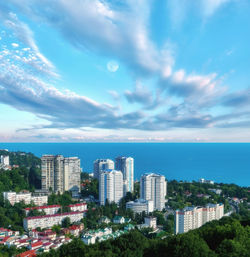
{"points": [[194, 217], [154, 187], [48, 209], [47, 221], [102, 164], [126, 166], [61, 174], [26, 197], [110, 186]]}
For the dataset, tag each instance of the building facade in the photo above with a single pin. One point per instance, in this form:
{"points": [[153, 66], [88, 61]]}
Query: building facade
{"points": [[47, 221], [61, 174], [110, 186], [5, 160], [78, 207], [194, 217], [48, 209], [140, 205], [154, 187], [26, 197], [150, 221], [102, 164], [126, 166]]}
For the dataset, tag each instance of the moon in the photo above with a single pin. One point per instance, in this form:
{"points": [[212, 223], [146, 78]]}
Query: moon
{"points": [[112, 66]]}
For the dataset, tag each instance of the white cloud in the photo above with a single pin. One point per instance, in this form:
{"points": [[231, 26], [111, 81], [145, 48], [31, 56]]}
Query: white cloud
{"points": [[15, 45], [112, 66]]}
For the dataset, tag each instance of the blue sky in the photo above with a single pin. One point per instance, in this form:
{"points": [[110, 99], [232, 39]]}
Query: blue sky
{"points": [[133, 71]]}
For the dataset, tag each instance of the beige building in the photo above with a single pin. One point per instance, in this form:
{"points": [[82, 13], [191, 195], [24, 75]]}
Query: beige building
{"points": [[26, 197], [194, 217], [61, 174]]}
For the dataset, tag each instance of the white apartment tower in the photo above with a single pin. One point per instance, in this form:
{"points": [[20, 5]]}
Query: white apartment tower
{"points": [[102, 164], [110, 186], [154, 187], [126, 166], [194, 217], [5, 160], [60, 174]]}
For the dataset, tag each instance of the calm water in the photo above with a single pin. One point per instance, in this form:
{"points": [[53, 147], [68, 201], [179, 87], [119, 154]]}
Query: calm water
{"points": [[229, 162]]}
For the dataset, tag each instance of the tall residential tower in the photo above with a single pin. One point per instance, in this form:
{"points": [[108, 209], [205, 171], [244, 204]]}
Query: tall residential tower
{"points": [[154, 187], [110, 186], [61, 174], [102, 164], [126, 166]]}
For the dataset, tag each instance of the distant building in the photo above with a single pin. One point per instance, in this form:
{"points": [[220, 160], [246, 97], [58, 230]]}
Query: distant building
{"points": [[110, 186], [215, 190], [48, 209], [61, 174], [5, 160], [150, 221], [204, 181], [26, 197], [126, 166], [119, 220], [78, 207], [47, 221], [140, 205], [102, 164], [154, 187], [104, 219], [194, 217]]}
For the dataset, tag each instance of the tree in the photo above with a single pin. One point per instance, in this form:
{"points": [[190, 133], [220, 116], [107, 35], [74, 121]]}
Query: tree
{"points": [[66, 222]]}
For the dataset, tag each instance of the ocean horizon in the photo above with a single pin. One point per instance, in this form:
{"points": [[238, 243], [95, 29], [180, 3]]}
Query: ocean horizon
{"points": [[221, 162]]}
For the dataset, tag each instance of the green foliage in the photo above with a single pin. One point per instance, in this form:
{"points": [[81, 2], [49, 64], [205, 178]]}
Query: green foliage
{"points": [[91, 188], [179, 198], [22, 159], [66, 222], [64, 199], [224, 238], [56, 228]]}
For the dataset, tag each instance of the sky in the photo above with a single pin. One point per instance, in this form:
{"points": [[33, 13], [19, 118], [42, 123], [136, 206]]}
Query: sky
{"points": [[124, 71]]}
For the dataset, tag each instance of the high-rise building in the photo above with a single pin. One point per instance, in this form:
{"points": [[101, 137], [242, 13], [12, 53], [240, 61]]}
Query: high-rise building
{"points": [[5, 160], [72, 174], [154, 187], [102, 164], [110, 186], [60, 174], [194, 217], [126, 166]]}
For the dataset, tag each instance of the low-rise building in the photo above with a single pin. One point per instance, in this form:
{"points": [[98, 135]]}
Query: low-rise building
{"points": [[26, 197], [140, 205], [48, 209], [119, 220], [78, 207], [104, 219], [47, 221], [91, 236], [150, 221], [215, 190]]}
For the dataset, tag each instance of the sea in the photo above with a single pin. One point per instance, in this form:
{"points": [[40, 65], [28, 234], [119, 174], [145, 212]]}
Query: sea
{"points": [[221, 162]]}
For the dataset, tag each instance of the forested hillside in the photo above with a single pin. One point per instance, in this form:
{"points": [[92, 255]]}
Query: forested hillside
{"points": [[225, 238]]}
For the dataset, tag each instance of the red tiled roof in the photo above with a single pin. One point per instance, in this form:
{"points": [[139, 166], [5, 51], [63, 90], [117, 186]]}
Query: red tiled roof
{"points": [[39, 243], [77, 204], [42, 207], [30, 253], [55, 215]]}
